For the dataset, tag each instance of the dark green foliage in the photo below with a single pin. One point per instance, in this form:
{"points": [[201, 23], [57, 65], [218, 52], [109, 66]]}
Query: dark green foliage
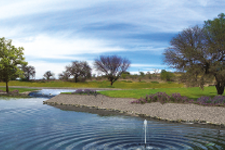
{"points": [[142, 74], [168, 76], [200, 53], [77, 70], [10, 59]]}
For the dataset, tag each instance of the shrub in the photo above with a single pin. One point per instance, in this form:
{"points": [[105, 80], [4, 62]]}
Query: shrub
{"points": [[78, 91], [85, 91], [166, 75], [218, 100], [162, 97], [88, 91]]}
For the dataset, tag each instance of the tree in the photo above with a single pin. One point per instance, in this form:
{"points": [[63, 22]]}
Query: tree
{"points": [[165, 75], [10, 60], [48, 74], [149, 75], [111, 66], [29, 71], [200, 53], [156, 72], [79, 69], [64, 75], [142, 74]]}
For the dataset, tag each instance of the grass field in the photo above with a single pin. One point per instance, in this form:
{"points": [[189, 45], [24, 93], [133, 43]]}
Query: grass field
{"points": [[192, 93], [95, 84], [130, 89]]}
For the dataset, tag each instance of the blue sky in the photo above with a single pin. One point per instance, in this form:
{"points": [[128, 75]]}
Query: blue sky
{"points": [[56, 32]]}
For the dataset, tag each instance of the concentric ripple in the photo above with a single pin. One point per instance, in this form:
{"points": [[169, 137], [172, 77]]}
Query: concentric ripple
{"points": [[27, 124]]}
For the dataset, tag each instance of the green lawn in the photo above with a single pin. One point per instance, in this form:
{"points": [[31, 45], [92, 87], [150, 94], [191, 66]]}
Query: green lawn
{"points": [[192, 93], [20, 89], [95, 84], [130, 89]]}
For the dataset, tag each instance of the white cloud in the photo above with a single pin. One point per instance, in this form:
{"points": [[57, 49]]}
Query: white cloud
{"points": [[42, 66], [44, 46], [14, 8]]}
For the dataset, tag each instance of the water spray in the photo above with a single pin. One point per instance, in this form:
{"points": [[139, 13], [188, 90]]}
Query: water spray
{"points": [[145, 124]]}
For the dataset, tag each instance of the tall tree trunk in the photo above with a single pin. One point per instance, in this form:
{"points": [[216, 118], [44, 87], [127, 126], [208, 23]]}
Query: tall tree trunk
{"points": [[111, 82], [75, 78], [220, 88], [219, 85], [7, 87]]}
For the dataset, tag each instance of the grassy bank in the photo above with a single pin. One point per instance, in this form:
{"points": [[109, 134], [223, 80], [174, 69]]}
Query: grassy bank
{"points": [[192, 93], [130, 89], [21, 90], [95, 84]]}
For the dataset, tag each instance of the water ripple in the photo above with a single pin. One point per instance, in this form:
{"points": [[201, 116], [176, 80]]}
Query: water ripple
{"points": [[41, 127]]}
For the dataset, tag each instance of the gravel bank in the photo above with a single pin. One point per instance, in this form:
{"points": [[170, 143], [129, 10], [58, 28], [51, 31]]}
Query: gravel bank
{"points": [[168, 112]]}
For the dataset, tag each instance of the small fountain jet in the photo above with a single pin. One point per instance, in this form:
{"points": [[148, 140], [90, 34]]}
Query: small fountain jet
{"points": [[145, 124]]}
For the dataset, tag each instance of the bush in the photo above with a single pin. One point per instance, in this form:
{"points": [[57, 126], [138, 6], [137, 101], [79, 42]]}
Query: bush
{"points": [[85, 92], [218, 100], [78, 91], [166, 75], [162, 97]]}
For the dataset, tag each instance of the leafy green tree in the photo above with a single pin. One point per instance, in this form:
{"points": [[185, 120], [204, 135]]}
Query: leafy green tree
{"points": [[79, 69], [11, 58], [142, 74], [200, 53], [165, 75]]}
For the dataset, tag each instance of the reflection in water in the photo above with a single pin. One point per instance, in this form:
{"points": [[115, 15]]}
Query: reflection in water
{"points": [[48, 93], [27, 124]]}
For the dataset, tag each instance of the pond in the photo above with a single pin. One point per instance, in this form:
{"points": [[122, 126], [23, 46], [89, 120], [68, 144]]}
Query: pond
{"points": [[27, 124]]}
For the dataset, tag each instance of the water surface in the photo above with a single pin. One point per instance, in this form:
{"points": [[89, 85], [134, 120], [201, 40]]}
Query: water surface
{"points": [[27, 124]]}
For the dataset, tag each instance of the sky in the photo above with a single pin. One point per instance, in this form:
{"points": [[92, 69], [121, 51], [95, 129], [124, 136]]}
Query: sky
{"points": [[56, 32]]}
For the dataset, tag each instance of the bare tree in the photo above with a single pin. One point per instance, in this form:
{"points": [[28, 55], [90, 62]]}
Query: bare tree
{"points": [[78, 69], [29, 71], [112, 66], [200, 53], [48, 74], [156, 72]]}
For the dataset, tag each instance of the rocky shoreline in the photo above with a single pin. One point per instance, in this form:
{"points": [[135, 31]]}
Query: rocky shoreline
{"points": [[172, 112]]}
